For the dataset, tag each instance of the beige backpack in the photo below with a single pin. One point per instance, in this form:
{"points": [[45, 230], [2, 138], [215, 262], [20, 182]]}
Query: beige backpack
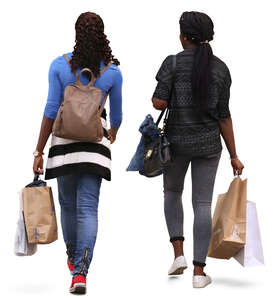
{"points": [[79, 115]]}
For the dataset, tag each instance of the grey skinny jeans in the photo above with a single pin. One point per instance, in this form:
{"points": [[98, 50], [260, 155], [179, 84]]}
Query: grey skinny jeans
{"points": [[203, 173]]}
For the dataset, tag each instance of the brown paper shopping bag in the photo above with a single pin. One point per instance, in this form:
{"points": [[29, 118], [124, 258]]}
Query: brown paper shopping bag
{"points": [[39, 212], [229, 221]]}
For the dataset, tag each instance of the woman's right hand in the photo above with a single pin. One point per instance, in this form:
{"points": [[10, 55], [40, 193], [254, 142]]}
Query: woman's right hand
{"points": [[112, 132], [237, 166], [111, 136], [38, 165]]}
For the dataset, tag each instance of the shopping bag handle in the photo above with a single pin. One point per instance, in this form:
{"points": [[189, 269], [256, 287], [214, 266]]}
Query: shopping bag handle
{"points": [[36, 177], [37, 182]]}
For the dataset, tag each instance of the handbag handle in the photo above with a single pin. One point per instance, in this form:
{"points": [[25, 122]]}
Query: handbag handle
{"points": [[173, 88], [160, 117], [92, 77]]}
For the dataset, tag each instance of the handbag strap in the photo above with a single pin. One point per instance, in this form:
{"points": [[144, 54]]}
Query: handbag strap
{"points": [[166, 110]]}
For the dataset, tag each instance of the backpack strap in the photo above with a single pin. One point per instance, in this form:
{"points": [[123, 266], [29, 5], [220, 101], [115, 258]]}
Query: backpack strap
{"points": [[104, 102], [68, 60], [106, 67], [107, 93]]}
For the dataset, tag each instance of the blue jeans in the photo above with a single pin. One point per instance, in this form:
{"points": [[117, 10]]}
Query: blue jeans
{"points": [[78, 197]]}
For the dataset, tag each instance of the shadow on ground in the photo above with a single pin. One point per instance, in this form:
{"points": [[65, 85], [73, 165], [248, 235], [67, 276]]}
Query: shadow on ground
{"points": [[231, 282], [33, 288]]}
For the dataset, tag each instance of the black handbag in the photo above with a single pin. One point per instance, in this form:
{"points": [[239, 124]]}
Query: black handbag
{"points": [[157, 152]]}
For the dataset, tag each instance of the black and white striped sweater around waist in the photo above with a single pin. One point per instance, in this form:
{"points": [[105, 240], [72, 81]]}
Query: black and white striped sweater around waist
{"points": [[68, 156]]}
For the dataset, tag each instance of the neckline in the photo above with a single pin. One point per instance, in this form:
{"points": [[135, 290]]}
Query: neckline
{"points": [[102, 65], [189, 49]]}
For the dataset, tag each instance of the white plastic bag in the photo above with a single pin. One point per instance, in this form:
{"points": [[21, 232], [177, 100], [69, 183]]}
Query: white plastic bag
{"points": [[21, 245], [252, 253]]}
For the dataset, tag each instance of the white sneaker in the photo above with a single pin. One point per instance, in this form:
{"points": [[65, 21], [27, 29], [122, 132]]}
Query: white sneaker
{"points": [[178, 266], [200, 281]]}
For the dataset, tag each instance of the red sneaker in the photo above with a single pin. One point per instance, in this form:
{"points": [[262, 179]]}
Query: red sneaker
{"points": [[78, 285], [70, 266]]}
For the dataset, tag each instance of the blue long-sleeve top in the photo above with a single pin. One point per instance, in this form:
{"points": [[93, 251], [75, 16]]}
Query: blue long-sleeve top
{"points": [[60, 76]]}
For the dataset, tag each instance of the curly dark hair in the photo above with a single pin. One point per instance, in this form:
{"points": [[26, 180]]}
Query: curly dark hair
{"points": [[91, 44]]}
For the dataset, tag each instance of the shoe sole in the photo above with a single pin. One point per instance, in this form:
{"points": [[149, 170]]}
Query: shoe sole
{"points": [[178, 271], [78, 288], [197, 286]]}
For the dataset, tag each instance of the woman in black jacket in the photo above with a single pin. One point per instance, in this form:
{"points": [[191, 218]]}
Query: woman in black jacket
{"points": [[197, 95]]}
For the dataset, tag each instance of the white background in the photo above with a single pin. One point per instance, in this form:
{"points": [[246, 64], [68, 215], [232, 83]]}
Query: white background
{"points": [[132, 254]]}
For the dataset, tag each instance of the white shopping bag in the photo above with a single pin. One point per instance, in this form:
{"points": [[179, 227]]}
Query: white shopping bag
{"points": [[251, 255], [21, 245]]}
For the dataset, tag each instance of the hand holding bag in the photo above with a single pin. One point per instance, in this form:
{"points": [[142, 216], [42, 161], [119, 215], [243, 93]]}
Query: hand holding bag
{"points": [[39, 212]]}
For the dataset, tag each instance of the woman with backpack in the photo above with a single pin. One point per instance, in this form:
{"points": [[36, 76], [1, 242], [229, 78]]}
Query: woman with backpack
{"points": [[197, 96], [79, 165]]}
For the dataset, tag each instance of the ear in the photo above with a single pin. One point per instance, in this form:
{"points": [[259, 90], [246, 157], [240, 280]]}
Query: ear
{"points": [[182, 37]]}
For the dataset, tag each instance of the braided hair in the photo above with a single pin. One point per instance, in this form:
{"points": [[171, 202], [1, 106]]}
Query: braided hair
{"points": [[91, 44], [197, 28]]}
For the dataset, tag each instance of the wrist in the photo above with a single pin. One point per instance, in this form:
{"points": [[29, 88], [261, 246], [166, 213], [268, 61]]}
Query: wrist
{"points": [[234, 157], [114, 130], [38, 153]]}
